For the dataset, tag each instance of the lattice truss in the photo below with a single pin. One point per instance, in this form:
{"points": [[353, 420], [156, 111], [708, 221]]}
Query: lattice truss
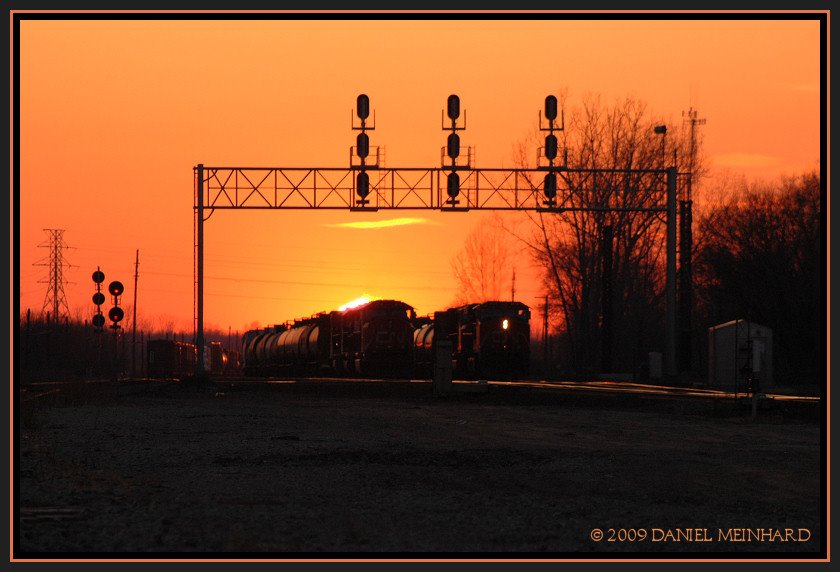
{"points": [[420, 188]]}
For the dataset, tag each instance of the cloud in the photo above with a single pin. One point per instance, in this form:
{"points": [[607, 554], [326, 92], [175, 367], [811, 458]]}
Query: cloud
{"points": [[744, 160], [383, 223]]}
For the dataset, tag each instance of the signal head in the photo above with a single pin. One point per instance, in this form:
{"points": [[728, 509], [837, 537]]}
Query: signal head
{"points": [[551, 107], [550, 188], [362, 106], [453, 145], [363, 184], [362, 145], [115, 288], [453, 107], [551, 146], [453, 184]]}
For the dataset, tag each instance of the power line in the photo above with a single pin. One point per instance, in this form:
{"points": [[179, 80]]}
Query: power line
{"points": [[297, 283]]}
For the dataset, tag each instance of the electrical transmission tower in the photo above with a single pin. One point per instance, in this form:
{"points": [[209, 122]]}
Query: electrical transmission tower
{"points": [[55, 301]]}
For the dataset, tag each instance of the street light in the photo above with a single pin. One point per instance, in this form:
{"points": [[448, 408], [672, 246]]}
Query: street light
{"points": [[661, 130]]}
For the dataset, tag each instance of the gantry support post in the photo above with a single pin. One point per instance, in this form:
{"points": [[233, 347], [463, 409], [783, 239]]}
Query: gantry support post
{"points": [[199, 274]]}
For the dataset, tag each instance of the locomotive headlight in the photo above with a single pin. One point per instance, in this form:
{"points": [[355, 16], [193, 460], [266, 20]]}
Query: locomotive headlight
{"points": [[505, 324]]}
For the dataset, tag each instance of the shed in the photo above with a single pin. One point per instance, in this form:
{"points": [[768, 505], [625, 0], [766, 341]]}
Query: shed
{"points": [[740, 351]]}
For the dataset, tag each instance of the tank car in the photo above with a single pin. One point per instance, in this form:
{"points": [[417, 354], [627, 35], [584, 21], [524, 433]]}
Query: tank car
{"points": [[424, 338]]}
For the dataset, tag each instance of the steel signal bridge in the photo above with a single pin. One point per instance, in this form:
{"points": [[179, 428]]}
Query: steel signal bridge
{"points": [[455, 186]]}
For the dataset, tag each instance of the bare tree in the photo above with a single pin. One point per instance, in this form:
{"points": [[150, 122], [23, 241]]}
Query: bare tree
{"points": [[760, 259], [483, 267], [603, 254]]}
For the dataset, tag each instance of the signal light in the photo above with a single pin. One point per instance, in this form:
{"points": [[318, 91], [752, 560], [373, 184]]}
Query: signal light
{"points": [[453, 107], [98, 320], [99, 298], [551, 147], [362, 145], [116, 314], [453, 145], [363, 184], [453, 184], [362, 106], [550, 187], [115, 288], [551, 107], [99, 277]]}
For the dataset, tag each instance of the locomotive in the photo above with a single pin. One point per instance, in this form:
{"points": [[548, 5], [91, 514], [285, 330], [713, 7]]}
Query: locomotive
{"points": [[490, 340], [373, 339]]}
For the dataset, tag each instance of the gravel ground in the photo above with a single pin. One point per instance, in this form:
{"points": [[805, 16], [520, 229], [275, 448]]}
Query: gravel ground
{"points": [[338, 469]]}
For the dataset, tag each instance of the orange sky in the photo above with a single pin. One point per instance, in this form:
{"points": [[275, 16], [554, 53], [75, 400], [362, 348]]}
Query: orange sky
{"points": [[115, 114]]}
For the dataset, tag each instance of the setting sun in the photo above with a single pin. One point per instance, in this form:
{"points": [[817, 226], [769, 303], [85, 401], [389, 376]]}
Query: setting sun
{"points": [[360, 301]]}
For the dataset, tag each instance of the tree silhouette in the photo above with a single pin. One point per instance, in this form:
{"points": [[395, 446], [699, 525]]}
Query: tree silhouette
{"points": [[579, 262], [759, 258], [483, 267]]}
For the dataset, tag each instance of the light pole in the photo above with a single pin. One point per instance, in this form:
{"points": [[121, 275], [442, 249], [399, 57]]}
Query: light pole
{"points": [[662, 130]]}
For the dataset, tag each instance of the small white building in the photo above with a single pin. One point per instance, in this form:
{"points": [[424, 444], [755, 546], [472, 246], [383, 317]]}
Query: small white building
{"points": [[739, 350]]}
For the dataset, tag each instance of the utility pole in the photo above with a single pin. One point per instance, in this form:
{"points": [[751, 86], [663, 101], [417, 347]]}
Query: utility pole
{"points": [[134, 316], [606, 298], [671, 275], [686, 244], [545, 336], [55, 298], [513, 286]]}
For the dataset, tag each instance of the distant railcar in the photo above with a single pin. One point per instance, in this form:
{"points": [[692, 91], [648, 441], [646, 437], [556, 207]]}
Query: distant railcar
{"points": [[170, 359]]}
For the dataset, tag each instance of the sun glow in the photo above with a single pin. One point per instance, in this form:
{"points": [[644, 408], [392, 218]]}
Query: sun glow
{"points": [[360, 301], [383, 223]]}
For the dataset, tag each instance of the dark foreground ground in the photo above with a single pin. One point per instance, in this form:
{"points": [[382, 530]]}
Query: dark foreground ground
{"points": [[386, 470]]}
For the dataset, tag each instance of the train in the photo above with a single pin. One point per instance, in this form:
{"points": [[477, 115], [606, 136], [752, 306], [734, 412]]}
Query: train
{"points": [[385, 338], [381, 338], [490, 340], [372, 339]]}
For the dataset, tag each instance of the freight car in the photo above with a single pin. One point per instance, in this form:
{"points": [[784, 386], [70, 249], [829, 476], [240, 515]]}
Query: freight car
{"points": [[490, 340], [168, 359], [373, 339]]}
